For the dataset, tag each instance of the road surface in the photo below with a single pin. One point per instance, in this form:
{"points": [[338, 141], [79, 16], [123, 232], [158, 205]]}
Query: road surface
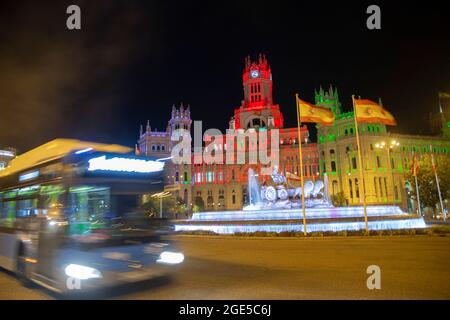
{"points": [[412, 267]]}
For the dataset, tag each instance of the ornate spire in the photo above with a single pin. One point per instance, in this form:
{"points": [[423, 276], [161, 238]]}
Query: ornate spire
{"points": [[141, 131], [173, 111], [380, 102], [148, 129]]}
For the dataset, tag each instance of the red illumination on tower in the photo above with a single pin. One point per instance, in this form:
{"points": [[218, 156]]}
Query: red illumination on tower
{"points": [[257, 109]]}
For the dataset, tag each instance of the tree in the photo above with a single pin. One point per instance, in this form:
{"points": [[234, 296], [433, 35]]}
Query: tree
{"points": [[153, 206], [199, 203], [426, 180], [339, 199]]}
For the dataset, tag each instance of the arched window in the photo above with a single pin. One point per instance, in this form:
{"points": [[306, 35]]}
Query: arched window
{"points": [[381, 187], [256, 122], [334, 187], [346, 132], [353, 162], [221, 200], [333, 166], [185, 196], [375, 184], [350, 188], [357, 188]]}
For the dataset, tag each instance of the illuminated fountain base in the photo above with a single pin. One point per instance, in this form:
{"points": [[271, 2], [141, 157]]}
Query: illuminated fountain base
{"points": [[290, 220]]}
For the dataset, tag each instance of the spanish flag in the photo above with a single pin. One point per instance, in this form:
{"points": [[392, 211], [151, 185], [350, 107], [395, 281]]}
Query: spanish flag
{"points": [[369, 111], [312, 113]]}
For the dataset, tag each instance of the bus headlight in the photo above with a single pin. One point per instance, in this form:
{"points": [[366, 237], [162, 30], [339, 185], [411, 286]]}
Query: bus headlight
{"points": [[82, 272], [170, 257]]}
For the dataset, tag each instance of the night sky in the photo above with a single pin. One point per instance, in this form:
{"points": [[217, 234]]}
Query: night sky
{"points": [[133, 59]]}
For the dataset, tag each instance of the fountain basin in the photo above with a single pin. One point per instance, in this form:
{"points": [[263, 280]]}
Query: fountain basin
{"points": [[291, 220], [310, 227], [290, 214]]}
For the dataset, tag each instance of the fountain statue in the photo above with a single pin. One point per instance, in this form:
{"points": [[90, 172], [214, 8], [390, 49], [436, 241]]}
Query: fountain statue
{"points": [[280, 194]]}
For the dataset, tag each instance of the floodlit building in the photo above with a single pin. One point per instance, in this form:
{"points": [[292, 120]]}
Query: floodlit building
{"points": [[386, 157]]}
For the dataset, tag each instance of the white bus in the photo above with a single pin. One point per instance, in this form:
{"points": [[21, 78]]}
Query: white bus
{"points": [[70, 217]]}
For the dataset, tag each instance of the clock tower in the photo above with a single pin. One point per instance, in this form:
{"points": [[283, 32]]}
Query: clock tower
{"points": [[257, 109]]}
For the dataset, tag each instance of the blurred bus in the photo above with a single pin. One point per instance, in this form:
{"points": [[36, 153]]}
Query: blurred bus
{"points": [[70, 217]]}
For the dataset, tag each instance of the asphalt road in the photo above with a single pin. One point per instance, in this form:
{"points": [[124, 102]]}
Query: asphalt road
{"points": [[416, 267]]}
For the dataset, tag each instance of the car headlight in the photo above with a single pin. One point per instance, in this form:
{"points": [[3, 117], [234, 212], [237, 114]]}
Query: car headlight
{"points": [[82, 272], [170, 257]]}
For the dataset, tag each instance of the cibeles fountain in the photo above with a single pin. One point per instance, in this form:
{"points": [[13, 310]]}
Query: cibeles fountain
{"points": [[276, 206], [280, 195]]}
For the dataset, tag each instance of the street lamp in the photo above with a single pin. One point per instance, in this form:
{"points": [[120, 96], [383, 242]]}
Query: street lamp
{"points": [[160, 196], [388, 147]]}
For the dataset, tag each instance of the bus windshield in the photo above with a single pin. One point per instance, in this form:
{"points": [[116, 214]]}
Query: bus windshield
{"points": [[95, 207]]}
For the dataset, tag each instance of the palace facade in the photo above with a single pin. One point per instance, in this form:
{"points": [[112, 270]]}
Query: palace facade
{"points": [[386, 156]]}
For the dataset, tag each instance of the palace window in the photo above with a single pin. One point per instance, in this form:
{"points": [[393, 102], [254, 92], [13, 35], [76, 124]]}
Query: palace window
{"points": [[375, 184], [350, 188], [335, 187], [333, 166], [353, 162], [357, 188], [381, 187]]}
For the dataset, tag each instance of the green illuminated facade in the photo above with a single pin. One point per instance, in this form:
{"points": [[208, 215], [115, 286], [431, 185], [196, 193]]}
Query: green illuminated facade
{"points": [[384, 176]]}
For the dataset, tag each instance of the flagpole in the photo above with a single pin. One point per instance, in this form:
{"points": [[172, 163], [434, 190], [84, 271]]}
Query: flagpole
{"points": [[301, 163], [361, 176], [437, 181], [417, 184]]}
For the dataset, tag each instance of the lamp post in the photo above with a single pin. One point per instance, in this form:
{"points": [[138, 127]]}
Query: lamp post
{"points": [[160, 196], [388, 147]]}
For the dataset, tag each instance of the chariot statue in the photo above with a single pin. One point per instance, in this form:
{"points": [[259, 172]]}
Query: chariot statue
{"points": [[281, 193]]}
